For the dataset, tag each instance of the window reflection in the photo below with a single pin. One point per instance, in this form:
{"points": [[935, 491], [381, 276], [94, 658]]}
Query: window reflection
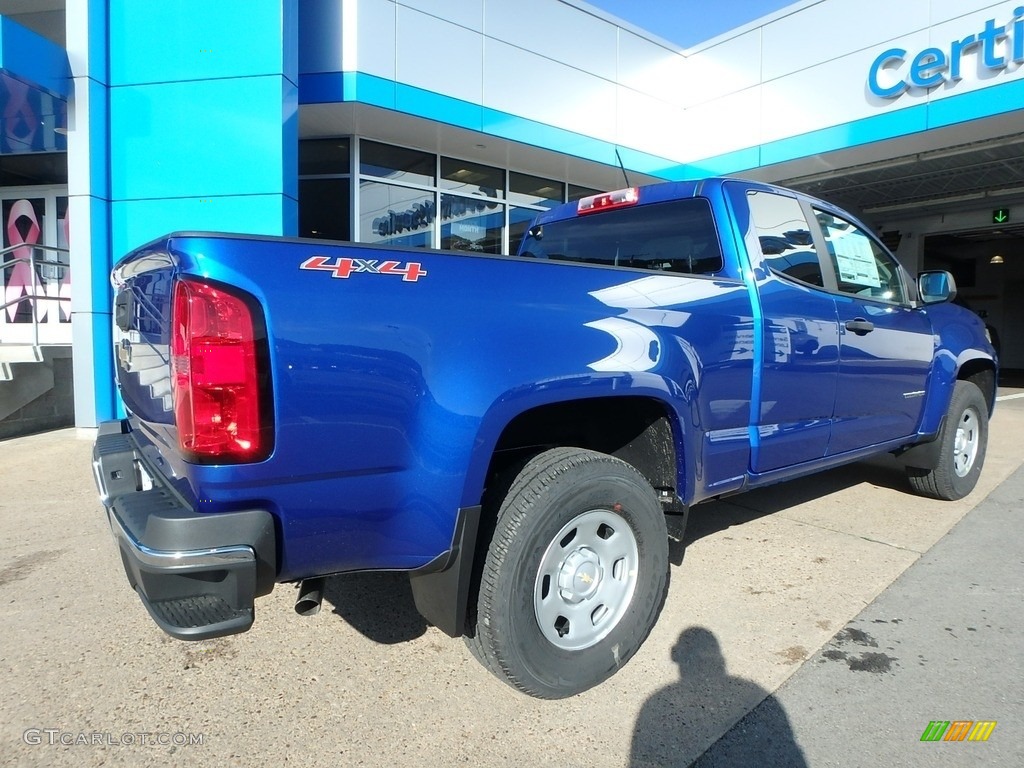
{"points": [[524, 189], [395, 215], [396, 163], [577, 192], [784, 236], [519, 220], [471, 224], [402, 192], [472, 178]]}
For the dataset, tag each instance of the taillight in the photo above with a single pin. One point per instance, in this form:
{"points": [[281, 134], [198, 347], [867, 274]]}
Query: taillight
{"points": [[617, 199], [216, 361]]}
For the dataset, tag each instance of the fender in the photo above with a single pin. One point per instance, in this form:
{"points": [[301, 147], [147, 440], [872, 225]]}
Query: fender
{"points": [[964, 352]]}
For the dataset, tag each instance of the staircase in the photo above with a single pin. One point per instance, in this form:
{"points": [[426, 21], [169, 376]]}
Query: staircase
{"points": [[17, 353]]}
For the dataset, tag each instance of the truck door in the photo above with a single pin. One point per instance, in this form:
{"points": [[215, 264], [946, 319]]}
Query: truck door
{"points": [[886, 346], [800, 331]]}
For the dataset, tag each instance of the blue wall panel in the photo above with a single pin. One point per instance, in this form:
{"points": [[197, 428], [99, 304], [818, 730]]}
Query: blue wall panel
{"points": [[202, 134], [136, 222], [203, 117], [157, 41], [207, 137], [417, 101], [973, 105], [320, 33]]}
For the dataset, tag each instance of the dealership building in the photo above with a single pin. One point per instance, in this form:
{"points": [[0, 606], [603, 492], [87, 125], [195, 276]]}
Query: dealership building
{"points": [[451, 123]]}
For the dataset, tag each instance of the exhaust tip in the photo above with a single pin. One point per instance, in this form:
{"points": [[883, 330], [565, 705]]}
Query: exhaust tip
{"points": [[311, 594]]}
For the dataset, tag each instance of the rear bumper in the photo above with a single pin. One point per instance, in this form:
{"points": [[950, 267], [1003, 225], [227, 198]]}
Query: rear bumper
{"points": [[198, 574]]}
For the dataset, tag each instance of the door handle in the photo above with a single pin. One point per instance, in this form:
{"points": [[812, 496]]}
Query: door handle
{"points": [[860, 326]]}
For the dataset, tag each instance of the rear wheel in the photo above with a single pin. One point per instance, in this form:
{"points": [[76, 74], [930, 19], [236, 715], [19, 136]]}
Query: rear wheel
{"points": [[575, 574], [962, 444]]}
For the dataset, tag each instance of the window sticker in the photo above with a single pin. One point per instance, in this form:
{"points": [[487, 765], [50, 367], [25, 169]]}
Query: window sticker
{"points": [[855, 259]]}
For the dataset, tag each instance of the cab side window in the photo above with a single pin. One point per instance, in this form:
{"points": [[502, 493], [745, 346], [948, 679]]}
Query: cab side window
{"points": [[862, 266], [784, 237]]}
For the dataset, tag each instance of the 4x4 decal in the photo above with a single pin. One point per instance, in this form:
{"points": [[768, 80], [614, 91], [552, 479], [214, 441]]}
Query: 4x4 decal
{"points": [[410, 271]]}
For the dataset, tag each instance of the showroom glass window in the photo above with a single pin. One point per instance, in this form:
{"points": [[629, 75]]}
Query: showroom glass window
{"points": [[472, 211], [401, 209], [325, 189], [414, 198], [529, 195]]}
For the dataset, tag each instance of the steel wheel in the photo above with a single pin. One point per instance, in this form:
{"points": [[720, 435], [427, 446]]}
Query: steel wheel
{"points": [[960, 447], [574, 575], [586, 580], [965, 445]]}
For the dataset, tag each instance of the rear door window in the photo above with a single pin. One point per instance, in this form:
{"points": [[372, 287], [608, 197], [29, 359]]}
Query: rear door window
{"points": [[785, 238]]}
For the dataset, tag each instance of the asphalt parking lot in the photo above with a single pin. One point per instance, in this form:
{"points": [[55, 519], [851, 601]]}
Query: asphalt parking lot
{"points": [[768, 580]]}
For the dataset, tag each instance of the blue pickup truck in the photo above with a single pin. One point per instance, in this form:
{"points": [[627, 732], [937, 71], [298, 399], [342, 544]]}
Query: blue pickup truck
{"points": [[511, 431]]}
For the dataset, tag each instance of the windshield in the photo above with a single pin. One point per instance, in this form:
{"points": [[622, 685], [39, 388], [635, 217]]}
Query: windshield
{"points": [[675, 236]]}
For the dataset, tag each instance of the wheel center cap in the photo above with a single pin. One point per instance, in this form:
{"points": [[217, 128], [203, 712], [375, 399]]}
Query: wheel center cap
{"points": [[580, 575], [960, 444]]}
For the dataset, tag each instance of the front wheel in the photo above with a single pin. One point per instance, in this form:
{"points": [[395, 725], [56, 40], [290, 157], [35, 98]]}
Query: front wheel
{"points": [[962, 444], [575, 574]]}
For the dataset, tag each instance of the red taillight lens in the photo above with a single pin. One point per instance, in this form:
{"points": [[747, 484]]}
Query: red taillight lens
{"points": [[617, 199], [215, 370]]}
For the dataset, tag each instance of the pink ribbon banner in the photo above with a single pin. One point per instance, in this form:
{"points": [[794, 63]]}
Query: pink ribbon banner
{"points": [[20, 282]]}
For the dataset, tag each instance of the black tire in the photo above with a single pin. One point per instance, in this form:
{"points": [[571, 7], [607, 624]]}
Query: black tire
{"points": [[962, 444], [565, 540]]}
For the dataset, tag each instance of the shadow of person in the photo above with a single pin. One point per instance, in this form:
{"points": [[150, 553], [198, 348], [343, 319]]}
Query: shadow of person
{"points": [[679, 723]]}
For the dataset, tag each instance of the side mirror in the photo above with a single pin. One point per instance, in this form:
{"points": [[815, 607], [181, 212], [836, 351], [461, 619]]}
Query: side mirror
{"points": [[935, 287]]}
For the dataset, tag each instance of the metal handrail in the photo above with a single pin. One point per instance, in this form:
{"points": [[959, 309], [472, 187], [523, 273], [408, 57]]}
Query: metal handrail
{"points": [[32, 260], [33, 296], [40, 246]]}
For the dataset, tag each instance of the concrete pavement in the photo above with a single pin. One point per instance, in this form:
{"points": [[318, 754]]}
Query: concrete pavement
{"points": [[943, 643], [768, 580]]}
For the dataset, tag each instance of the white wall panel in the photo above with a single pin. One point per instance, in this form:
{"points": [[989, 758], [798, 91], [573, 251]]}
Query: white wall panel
{"points": [[826, 95], [723, 125], [454, 68], [649, 68], [554, 30], [375, 48], [537, 88], [650, 124], [947, 10], [465, 13], [975, 75], [733, 65], [835, 28], [555, 64]]}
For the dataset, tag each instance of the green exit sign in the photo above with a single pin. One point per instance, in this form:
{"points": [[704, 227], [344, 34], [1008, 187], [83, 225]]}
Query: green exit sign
{"points": [[1000, 215]]}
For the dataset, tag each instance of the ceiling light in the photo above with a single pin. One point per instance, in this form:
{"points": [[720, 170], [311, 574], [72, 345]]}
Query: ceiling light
{"points": [[917, 204], [997, 259]]}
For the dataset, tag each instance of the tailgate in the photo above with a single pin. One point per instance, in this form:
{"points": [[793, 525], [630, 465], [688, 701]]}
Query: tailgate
{"points": [[143, 285]]}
